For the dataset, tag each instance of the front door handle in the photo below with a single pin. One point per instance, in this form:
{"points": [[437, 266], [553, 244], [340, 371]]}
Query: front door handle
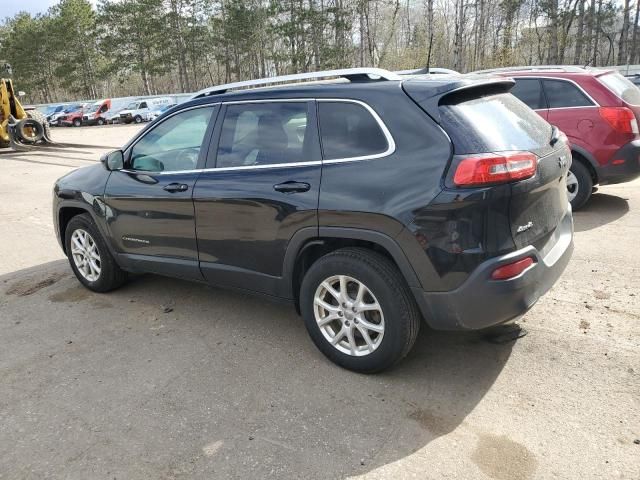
{"points": [[292, 187], [176, 187]]}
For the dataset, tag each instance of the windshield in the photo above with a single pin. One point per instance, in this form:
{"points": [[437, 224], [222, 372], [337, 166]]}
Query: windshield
{"points": [[494, 123], [622, 87], [73, 108], [132, 106], [93, 108]]}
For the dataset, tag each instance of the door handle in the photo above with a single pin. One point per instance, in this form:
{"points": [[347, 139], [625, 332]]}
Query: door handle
{"points": [[292, 187], [176, 187]]}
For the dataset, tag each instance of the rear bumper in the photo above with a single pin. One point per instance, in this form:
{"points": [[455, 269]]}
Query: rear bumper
{"points": [[481, 302], [624, 165]]}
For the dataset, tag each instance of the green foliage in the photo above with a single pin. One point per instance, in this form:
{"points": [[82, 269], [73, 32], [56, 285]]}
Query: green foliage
{"points": [[135, 47]]}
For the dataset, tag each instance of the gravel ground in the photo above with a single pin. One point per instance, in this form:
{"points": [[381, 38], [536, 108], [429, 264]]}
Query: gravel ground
{"points": [[228, 386]]}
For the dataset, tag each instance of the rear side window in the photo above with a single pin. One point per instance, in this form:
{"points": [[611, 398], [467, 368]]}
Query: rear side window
{"points": [[529, 91], [348, 130], [493, 123], [263, 134], [622, 87], [563, 94]]}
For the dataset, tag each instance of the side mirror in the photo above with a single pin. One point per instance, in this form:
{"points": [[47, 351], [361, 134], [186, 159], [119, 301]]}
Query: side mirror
{"points": [[113, 160]]}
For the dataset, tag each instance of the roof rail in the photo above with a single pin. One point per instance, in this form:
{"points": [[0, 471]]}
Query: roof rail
{"points": [[425, 71], [353, 74], [565, 68]]}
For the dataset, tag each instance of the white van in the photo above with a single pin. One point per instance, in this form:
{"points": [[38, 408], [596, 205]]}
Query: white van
{"points": [[139, 110]]}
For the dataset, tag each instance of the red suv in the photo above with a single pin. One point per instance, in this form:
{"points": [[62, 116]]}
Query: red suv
{"points": [[597, 109]]}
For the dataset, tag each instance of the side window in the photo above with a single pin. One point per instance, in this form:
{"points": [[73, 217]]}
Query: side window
{"points": [[143, 105], [173, 144], [263, 134], [529, 91], [349, 130], [562, 94]]}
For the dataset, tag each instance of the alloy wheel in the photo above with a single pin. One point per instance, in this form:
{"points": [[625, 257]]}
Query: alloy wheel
{"points": [[348, 315], [85, 255]]}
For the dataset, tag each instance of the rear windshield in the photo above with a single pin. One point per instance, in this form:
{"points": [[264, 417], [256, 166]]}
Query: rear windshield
{"points": [[493, 123], [622, 87]]}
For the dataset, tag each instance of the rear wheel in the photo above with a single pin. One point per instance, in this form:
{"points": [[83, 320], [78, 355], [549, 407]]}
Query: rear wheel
{"points": [[90, 259], [358, 310], [579, 184], [100, 121], [40, 118]]}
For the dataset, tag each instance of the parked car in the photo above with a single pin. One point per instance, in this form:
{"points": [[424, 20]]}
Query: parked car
{"points": [[94, 115], [74, 118], [443, 200], [152, 115], [54, 121], [598, 109], [50, 111], [635, 79], [139, 110]]}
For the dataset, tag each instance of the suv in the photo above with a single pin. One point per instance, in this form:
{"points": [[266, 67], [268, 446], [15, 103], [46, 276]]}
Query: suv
{"points": [[368, 204], [597, 109]]}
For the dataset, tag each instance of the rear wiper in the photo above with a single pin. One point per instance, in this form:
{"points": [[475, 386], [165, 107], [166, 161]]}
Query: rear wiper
{"points": [[555, 135]]}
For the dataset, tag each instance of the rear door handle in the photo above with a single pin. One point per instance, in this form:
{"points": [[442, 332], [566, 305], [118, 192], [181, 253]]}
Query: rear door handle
{"points": [[176, 187], [292, 187]]}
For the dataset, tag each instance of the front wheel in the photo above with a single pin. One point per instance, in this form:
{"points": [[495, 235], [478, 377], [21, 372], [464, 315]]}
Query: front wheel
{"points": [[579, 185], [77, 122], [89, 257], [138, 119], [358, 310], [100, 121]]}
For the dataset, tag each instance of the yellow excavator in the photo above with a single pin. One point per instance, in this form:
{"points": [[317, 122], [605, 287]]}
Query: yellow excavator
{"points": [[19, 128]]}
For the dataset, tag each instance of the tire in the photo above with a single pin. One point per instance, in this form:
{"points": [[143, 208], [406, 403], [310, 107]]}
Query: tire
{"points": [[580, 179], [28, 131], [110, 276], [399, 318], [138, 119], [39, 117], [100, 122], [77, 122]]}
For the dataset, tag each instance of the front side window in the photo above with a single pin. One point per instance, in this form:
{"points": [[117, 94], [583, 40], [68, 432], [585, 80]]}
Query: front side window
{"points": [[563, 94], [173, 144], [348, 130], [263, 134], [143, 105], [529, 91]]}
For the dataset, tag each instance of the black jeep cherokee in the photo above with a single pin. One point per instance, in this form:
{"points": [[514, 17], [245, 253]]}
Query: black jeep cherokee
{"points": [[371, 204]]}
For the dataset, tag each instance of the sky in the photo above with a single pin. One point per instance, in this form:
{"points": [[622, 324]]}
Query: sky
{"points": [[8, 8]]}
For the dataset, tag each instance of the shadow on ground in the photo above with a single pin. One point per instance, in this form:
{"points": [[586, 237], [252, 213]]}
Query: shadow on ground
{"points": [[600, 210], [169, 379]]}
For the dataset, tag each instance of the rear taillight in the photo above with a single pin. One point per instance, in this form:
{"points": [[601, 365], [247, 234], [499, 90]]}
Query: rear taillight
{"points": [[490, 168], [512, 270], [621, 119]]}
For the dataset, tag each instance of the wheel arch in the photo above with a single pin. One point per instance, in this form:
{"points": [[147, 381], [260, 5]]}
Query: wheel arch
{"points": [[587, 160], [65, 214], [309, 244]]}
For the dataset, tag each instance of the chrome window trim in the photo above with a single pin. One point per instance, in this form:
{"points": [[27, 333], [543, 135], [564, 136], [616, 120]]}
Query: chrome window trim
{"points": [[391, 144], [145, 133]]}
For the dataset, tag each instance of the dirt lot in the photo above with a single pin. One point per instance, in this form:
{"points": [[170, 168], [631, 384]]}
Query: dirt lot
{"points": [[227, 386]]}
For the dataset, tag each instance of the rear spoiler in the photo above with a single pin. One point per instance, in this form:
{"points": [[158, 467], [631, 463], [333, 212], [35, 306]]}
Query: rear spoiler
{"points": [[430, 94]]}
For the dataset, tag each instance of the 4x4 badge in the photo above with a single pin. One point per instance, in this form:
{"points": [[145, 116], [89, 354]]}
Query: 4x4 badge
{"points": [[524, 228]]}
